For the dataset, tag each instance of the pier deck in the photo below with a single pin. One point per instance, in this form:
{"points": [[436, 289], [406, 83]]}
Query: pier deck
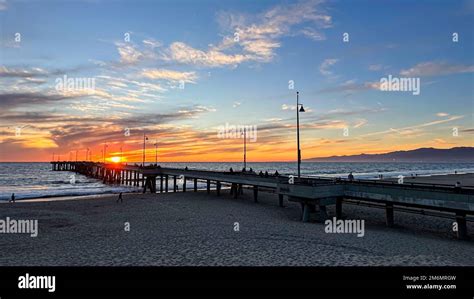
{"points": [[439, 193]]}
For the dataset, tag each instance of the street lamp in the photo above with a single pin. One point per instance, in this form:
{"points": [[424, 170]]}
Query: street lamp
{"points": [[145, 138], [156, 152], [245, 148], [298, 110]]}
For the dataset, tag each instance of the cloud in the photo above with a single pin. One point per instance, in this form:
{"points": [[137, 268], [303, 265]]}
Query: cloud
{"points": [[416, 127], [327, 63], [288, 107], [71, 132], [12, 100], [352, 86], [436, 69], [236, 104], [442, 114], [22, 73], [313, 34], [129, 54], [254, 39], [152, 43], [375, 67], [360, 123], [164, 74], [182, 53], [3, 5]]}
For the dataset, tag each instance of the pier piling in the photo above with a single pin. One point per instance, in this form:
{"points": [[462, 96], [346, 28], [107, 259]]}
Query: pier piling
{"points": [[389, 214]]}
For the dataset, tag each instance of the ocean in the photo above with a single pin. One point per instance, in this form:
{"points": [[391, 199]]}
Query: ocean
{"points": [[37, 180]]}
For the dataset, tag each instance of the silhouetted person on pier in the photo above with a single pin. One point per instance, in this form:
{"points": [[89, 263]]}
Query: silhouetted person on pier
{"points": [[260, 173], [251, 170], [350, 177], [243, 170], [120, 198], [266, 174], [186, 168], [276, 173], [13, 198], [231, 170]]}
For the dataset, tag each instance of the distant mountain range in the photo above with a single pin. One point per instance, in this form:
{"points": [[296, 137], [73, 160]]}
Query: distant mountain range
{"points": [[455, 154]]}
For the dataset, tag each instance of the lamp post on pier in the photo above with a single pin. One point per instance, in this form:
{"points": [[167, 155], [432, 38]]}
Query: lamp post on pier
{"points": [[156, 152], [145, 138], [245, 148], [298, 110]]}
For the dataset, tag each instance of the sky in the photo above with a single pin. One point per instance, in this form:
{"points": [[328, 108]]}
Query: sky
{"points": [[179, 72]]}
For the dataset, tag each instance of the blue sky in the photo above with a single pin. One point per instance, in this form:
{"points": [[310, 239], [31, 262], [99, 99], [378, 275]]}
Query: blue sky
{"points": [[244, 81]]}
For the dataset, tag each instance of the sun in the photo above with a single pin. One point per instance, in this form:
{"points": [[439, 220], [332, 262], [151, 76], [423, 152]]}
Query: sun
{"points": [[115, 159]]}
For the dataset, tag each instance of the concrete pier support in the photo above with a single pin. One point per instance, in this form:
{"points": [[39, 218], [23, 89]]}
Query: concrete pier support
{"points": [[195, 185], [235, 190], [218, 188], [306, 212], [166, 183], [280, 200], [208, 182], [389, 214], [175, 186], [323, 214], [339, 208], [184, 184], [150, 183], [462, 227], [255, 193], [161, 183]]}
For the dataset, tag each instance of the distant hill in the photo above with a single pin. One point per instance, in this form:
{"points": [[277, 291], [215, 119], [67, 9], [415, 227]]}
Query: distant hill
{"points": [[455, 154]]}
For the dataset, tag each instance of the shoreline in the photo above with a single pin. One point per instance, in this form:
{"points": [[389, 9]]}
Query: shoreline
{"points": [[139, 189]]}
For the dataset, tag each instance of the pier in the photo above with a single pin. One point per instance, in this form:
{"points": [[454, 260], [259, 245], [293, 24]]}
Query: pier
{"points": [[451, 196]]}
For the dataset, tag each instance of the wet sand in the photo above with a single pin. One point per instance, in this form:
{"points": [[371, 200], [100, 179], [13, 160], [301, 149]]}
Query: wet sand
{"points": [[194, 229], [465, 179]]}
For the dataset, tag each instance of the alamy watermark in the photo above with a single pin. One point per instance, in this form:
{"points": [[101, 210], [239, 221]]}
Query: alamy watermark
{"points": [[22, 226], [237, 132], [66, 84], [400, 84], [335, 226], [28, 281]]}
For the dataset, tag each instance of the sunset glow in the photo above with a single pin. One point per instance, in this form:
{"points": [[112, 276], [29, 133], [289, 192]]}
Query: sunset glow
{"points": [[242, 65], [115, 159]]}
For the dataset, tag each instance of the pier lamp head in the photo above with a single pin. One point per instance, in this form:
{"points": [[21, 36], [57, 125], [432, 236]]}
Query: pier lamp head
{"points": [[302, 109]]}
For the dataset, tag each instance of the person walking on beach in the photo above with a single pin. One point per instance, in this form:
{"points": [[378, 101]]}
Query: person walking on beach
{"points": [[350, 176], [120, 198], [13, 198]]}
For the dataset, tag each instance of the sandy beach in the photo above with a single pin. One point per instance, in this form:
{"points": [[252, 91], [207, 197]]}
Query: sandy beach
{"points": [[198, 229]]}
